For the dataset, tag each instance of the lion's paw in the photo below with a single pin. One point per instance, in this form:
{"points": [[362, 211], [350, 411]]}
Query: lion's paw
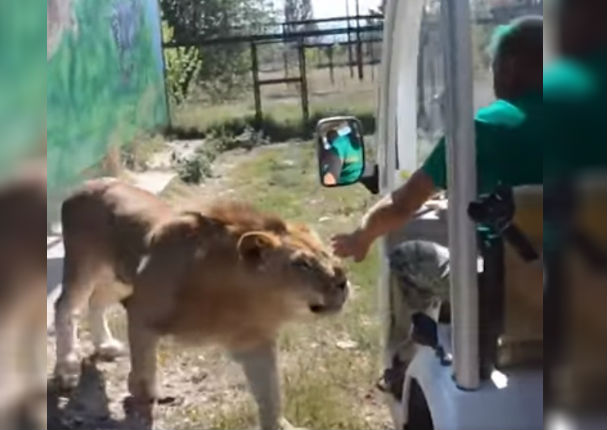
{"points": [[67, 372]]}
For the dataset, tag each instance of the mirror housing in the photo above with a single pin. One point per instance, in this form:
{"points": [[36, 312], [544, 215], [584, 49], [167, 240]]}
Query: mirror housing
{"points": [[340, 151]]}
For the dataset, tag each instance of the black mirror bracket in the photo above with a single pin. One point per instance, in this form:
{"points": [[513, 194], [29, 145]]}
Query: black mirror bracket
{"points": [[371, 179]]}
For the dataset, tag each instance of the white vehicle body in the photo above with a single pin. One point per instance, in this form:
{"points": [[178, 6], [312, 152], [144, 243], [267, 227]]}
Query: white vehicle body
{"points": [[511, 401]]}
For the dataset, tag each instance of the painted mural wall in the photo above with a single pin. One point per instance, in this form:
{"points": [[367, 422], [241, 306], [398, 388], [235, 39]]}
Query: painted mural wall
{"points": [[22, 82], [104, 80]]}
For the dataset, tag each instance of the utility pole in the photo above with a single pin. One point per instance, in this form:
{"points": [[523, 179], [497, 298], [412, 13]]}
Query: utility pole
{"points": [[350, 56]]}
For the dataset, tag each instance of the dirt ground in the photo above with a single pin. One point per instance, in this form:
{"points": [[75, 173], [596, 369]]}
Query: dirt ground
{"points": [[329, 367]]}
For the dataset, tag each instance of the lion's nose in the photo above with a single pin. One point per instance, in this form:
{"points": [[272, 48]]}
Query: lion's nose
{"points": [[339, 272]]}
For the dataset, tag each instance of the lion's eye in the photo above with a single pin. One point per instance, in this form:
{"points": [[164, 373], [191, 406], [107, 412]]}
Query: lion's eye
{"points": [[303, 264]]}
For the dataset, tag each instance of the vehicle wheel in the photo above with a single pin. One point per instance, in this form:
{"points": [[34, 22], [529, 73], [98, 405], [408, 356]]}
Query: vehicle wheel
{"points": [[419, 413]]}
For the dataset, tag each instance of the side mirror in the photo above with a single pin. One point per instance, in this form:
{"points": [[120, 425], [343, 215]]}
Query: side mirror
{"points": [[341, 151]]}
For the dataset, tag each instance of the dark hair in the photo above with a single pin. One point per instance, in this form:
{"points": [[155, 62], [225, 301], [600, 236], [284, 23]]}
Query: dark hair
{"points": [[522, 39], [332, 135], [518, 51]]}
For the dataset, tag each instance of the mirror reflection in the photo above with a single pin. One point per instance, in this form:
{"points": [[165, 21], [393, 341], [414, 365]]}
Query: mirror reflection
{"points": [[341, 152]]}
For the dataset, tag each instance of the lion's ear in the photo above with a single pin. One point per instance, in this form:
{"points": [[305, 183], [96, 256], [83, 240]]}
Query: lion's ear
{"points": [[185, 226], [253, 247]]}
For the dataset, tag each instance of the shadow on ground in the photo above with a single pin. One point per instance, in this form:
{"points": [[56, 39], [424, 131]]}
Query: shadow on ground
{"points": [[87, 406]]}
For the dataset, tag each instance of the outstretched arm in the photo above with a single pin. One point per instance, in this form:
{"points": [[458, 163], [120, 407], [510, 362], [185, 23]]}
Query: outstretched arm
{"points": [[332, 166], [389, 214]]}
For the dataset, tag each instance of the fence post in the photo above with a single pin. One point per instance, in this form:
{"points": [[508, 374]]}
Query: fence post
{"points": [[359, 45], [331, 65], [359, 59], [285, 51], [304, 86], [165, 81], [372, 54], [256, 86], [350, 55]]}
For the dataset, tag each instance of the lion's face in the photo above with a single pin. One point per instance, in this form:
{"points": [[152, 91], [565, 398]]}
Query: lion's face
{"points": [[298, 261], [287, 258]]}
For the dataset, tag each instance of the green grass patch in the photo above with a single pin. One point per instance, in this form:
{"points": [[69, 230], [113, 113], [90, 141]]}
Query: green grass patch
{"points": [[276, 127], [240, 415], [281, 106]]}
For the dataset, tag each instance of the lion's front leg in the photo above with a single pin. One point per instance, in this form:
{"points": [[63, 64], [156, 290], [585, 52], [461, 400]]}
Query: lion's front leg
{"points": [[142, 382], [261, 370]]}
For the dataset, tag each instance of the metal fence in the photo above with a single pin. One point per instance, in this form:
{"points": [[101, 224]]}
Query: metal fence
{"points": [[289, 74]]}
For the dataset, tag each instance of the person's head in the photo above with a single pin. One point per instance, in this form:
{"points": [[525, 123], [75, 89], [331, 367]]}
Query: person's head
{"points": [[581, 27], [518, 52], [332, 135]]}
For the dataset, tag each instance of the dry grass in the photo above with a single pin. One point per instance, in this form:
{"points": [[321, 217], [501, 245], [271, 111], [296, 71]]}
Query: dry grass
{"points": [[283, 102]]}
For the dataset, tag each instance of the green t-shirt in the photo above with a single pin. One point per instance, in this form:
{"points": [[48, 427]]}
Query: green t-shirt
{"points": [[352, 159], [575, 99], [509, 136]]}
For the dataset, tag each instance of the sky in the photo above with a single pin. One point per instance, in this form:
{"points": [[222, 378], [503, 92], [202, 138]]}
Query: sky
{"points": [[333, 8]]}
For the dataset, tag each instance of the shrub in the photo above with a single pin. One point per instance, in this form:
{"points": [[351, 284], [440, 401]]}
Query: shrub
{"points": [[182, 67], [195, 170]]}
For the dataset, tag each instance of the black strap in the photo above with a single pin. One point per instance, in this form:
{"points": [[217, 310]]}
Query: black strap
{"points": [[590, 251], [515, 237], [497, 212]]}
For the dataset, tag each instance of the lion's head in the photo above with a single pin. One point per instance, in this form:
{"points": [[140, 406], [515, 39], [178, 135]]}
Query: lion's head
{"points": [[261, 253], [297, 259]]}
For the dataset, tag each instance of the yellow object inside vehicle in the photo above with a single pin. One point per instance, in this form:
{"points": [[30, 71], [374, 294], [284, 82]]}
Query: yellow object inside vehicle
{"points": [[584, 369], [522, 340]]}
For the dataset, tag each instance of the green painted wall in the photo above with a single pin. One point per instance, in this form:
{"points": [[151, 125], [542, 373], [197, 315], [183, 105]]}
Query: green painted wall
{"points": [[104, 80], [22, 81]]}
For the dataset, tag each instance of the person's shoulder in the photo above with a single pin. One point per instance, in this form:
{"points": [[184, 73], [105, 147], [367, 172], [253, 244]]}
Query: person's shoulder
{"points": [[568, 80], [340, 142], [500, 113]]}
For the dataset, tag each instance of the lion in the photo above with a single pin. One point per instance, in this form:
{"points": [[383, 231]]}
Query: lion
{"points": [[226, 274]]}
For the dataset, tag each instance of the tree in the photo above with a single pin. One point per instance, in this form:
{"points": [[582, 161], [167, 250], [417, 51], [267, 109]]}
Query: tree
{"points": [[207, 18], [299, 10], [225, 68], [381, 8]]}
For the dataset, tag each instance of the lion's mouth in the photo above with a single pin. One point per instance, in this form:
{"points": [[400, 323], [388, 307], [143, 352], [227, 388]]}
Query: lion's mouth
{"points": [[318, 309], [324, 309]]}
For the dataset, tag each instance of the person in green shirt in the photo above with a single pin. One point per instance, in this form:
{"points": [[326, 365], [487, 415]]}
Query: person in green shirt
{"points": [[343, 163], [509, 136], [575, 100], [575, 92], [509, 152]]}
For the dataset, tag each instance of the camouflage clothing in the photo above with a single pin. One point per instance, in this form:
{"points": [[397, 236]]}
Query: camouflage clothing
{"points": [[419, 283]]}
